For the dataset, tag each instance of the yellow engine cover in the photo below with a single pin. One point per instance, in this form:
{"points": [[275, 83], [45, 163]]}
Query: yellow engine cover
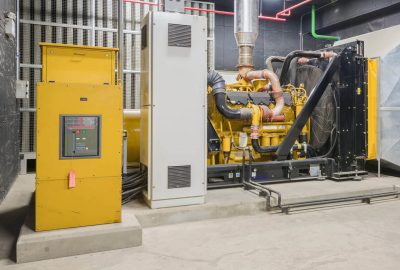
{"points": [[271, 133]]}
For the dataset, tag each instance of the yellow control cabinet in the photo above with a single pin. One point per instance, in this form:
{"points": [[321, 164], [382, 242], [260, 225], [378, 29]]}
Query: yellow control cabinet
{"points": [[79, 138]]}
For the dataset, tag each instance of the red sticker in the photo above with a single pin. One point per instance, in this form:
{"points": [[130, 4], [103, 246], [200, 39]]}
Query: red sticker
{"points": [[71, 179]]}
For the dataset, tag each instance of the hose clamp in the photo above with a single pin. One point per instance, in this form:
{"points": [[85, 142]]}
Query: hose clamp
{"points": [[217, 91]]}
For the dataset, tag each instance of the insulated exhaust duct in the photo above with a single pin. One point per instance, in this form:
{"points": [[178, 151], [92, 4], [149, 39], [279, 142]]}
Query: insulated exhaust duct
{"points": [[246, 30]]}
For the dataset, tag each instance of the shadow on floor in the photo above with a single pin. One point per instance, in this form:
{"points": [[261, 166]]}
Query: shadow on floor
{"points": [[10, 226]]}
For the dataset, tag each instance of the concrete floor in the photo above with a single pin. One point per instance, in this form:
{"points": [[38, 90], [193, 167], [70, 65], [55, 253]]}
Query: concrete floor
{"points": [[348, 237], [356, 237]]}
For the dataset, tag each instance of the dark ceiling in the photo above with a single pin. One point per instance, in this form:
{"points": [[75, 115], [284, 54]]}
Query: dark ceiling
{"points": [[271, 7]]}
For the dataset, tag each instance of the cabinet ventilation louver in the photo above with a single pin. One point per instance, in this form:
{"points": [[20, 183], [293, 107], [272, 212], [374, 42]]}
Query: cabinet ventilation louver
{"points": [[179, 35], [179, 176]]}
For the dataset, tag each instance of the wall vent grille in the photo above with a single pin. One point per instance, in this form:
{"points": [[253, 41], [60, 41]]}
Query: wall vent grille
{"points": [[179, 176], [179, 35]]}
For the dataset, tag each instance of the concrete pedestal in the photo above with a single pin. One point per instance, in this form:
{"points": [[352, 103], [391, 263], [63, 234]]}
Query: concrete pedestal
{"points": [[35, 246]]}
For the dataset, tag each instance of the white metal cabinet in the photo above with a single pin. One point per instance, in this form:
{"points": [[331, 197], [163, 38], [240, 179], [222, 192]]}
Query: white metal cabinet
{"points": [[174, 84]]}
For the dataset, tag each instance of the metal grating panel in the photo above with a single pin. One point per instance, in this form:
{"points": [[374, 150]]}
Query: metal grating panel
{"points": [[210, 26], [179, 35], [84, 22], [179, 176]]}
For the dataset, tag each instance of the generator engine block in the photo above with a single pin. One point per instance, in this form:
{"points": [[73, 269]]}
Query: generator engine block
{"points": [[227, 138]]}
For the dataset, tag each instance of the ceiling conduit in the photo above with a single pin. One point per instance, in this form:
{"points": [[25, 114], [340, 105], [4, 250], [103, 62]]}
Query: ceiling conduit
{"points": [[286, 12], [313, 32]]}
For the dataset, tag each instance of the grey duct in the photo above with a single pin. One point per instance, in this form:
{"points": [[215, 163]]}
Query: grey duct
{"points": [[246, 30], [246, 33]]}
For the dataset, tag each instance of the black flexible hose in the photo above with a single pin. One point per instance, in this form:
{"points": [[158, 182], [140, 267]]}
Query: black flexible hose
{"points": [[285, 68], [333, 144], [311, 153], [271, 149], [220, 102], [273, 59], [127, 197], [217, 83], [331, 149], [263, 149], [133, 184], [329, 153]]}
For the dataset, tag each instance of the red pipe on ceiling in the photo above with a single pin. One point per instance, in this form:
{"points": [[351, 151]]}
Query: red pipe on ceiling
{"points": [[231, 13], [268, 18], [286, 12]]}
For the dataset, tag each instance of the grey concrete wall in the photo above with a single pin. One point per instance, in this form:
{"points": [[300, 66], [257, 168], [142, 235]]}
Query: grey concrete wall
{"points": [[352, 18], [275, 38], [373, 45], [344, 18], [9, 116], [350, 10]]}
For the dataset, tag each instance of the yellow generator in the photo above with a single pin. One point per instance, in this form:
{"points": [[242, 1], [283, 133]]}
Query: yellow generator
{"points": [[305, 120], [268, 129], [79, 138]]}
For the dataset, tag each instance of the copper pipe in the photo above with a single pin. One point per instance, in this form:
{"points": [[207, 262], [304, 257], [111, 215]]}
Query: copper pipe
{"points": [[278, 118], [303, 61], [327, 55], [243, 70], [276, 91]]}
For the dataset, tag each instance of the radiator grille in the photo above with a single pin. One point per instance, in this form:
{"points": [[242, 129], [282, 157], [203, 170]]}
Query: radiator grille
{"points": [[179, 176], [179, 35]]}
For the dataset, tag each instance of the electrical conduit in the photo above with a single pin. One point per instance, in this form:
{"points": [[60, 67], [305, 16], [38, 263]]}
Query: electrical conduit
{"points": [[313, 32]]}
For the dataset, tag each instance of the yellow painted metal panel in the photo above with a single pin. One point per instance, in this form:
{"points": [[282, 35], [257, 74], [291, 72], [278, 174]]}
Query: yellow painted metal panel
{"points": [[48, 44], [78, 64], [57, 99], [372, 107], [78, 80], [93, 201], [132, 126]]}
